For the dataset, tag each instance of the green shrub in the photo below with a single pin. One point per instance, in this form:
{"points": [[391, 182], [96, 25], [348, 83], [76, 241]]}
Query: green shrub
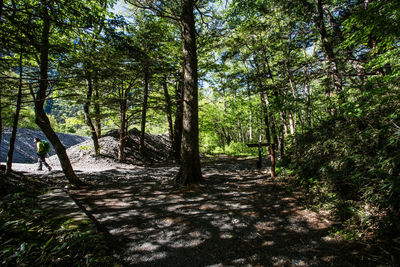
{"points": [[30, 237], [355, 159]]}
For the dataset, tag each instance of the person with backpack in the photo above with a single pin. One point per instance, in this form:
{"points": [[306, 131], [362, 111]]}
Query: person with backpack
{"points": [[42, 148]]}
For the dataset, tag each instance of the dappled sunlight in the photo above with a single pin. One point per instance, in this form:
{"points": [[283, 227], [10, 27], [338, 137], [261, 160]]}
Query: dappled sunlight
{"points": [[238, 216]]}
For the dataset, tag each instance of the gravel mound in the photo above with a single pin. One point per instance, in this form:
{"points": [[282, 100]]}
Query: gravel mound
{"points": [[25, 148], [157, 150]]}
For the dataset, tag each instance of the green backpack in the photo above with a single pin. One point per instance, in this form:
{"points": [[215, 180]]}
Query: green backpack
{"points": [[46, 146]]}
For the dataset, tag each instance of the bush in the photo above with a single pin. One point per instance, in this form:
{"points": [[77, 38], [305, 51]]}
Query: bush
{"points": [[353, 162]]}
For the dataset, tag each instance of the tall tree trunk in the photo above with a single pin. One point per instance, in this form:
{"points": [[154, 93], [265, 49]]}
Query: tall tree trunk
{"points": [[281, 142], [16, 119], [97, 110], [178, 124], [123, 109], [250, 116], [239, 132], [269, 130], [88, 117], [292, 123], [122, 132], [269, 125], [273, 132], [190, 170], [272, 144], [292, 119], [41, 118], [308, 94], [144, 110], [168, 110]]}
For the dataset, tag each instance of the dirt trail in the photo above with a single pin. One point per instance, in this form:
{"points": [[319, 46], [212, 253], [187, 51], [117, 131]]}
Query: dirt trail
{"points": [[238, 217]]}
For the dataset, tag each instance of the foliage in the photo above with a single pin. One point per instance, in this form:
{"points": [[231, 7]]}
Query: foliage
{"points": [[352, 162], [30, 236]]}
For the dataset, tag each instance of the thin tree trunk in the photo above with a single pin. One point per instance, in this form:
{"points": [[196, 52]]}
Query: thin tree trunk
{"points": [[190, 170], [251, 114], [123, 109], [16, 120], [292, 119], [97, 111], [144, 110], [269, 126], [269, 130], [168, 110], [122, 133], [281, 142], [273, 146], [292, 123], [274, 138], [239, 132], [308, 95], [41, 118], [88, 118]]}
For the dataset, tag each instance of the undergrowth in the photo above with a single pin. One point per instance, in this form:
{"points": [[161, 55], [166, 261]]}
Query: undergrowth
{"points": [[350, 165], [30, 236]]}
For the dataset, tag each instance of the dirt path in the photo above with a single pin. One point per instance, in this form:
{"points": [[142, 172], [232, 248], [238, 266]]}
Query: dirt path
{"points": [[238, 217]]}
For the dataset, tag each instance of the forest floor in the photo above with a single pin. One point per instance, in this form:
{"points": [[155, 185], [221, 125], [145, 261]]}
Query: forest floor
{"points": [[239, 216]]}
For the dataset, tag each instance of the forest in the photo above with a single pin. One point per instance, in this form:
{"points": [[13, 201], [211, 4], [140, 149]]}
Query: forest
{"points": [[317, 82]]}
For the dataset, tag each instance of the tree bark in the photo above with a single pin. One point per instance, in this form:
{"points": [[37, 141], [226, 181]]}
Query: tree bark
{"points": [[16, 120], [88, 117], [190, 170], [178, 124], [144, 109], [41, 118]]}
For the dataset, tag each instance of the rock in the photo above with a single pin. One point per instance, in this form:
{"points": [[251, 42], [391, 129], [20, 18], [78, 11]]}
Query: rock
{"points": [[157, 148]]}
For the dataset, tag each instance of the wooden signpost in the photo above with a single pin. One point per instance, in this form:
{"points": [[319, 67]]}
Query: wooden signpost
{"points": [[259, 145]]}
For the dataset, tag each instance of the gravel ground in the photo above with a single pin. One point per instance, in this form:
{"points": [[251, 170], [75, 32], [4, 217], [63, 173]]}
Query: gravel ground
{"points": [[238, 217]]}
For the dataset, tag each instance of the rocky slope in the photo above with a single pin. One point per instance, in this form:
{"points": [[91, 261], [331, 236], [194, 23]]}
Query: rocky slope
{"points": [[25, 148], [157, 150]]}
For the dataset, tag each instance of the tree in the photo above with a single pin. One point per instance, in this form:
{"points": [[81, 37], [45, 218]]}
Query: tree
{"points": [[44, 26], [190, 170], [16, 117]]}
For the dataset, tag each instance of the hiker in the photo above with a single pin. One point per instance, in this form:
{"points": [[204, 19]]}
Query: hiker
{"points": [[43, 147]]}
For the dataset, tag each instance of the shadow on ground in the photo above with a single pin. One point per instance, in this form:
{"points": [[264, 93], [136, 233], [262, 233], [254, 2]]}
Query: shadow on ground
{"points": [[238, 217]]}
